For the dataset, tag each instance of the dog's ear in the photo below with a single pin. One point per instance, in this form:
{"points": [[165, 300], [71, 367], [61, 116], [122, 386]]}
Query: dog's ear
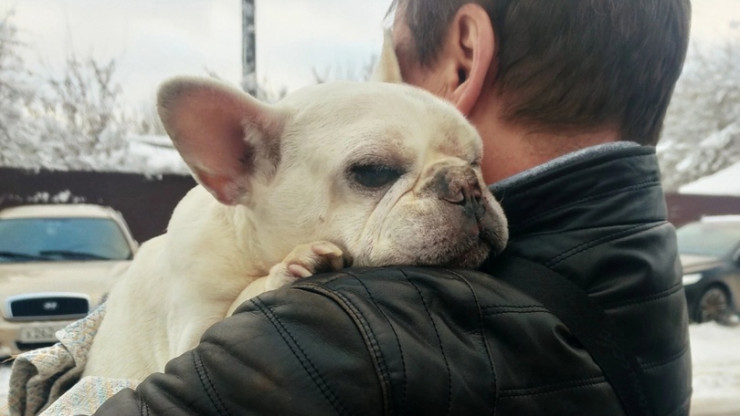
{"points": [[226, 137], [387, 69]]}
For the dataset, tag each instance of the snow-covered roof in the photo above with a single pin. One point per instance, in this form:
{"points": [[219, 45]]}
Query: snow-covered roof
{"points": [[724, 182], [153, 154], [144, 154]]}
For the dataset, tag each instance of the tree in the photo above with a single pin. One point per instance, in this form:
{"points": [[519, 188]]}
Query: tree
{"points": [[702, 128], [87, 103], [347, 73], [74, 121], [15, 85], [148, 119]]}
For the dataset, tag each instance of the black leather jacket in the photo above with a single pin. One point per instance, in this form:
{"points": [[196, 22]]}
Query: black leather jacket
{"points": [[431, 341]]}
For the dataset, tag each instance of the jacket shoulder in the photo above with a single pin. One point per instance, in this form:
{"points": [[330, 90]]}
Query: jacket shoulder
{"points": [[475, 341], [379, 341]]}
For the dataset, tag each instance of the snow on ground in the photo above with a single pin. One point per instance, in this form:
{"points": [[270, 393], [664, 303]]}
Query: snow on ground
{"points": [[715, 351]]}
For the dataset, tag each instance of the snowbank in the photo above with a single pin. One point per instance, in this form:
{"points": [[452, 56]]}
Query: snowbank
{"points": [[716, 361], [716, 370], [151, 154], [724, 182]]}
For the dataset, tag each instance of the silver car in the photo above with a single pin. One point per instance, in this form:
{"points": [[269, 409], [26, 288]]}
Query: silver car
{"points": [[57, 262]]}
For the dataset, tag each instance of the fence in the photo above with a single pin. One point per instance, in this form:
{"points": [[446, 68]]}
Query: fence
{"points": [[683, 208], [146, 202]]}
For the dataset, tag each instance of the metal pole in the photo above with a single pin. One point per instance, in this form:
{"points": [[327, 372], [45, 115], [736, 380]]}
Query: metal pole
{"points": [[249, 67]]}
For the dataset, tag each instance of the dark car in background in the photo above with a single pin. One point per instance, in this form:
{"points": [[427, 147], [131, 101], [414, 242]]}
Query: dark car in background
{"points": [[710, 255], [56, 263]]}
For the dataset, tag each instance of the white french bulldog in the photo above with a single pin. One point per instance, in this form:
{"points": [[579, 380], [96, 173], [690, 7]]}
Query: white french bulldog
{"points": [[368, 174]]}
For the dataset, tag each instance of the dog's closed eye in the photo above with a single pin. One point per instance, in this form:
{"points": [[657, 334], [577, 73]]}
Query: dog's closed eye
{"points": [[374, 176]]}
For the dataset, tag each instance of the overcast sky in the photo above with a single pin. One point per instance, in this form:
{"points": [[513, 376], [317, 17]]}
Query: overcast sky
{"points": [[152, 40], [155, 39]]}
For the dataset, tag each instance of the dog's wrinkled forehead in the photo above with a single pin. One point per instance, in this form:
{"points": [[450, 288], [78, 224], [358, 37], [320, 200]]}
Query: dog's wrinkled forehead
{"points": [[349, 115]]}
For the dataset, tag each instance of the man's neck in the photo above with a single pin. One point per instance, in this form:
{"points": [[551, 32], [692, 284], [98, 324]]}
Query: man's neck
{"points": [[509, 149]]}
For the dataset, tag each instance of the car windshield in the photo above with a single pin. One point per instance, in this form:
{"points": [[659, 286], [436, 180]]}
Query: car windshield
{"points": [[715, 239], [62, 239]]}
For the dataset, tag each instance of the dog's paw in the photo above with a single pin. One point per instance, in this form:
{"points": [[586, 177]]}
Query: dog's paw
{"points": [[306, 260]]}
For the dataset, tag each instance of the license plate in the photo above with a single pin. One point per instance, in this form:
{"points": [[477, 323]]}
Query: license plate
{"points": [[41, 333]]}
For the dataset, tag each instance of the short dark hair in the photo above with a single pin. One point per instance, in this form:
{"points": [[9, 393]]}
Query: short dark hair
{"points": [[574, 63]]}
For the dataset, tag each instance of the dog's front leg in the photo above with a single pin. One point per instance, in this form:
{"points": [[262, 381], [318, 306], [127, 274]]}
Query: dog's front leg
{"points": [[305, 260]]}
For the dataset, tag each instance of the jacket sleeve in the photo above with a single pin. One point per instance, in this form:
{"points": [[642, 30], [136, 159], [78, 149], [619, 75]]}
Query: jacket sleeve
{"points": [[380, 341], [280, 353]]}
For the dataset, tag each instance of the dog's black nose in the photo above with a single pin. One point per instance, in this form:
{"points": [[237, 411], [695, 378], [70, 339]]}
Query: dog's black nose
{"points": [[459, 185]]}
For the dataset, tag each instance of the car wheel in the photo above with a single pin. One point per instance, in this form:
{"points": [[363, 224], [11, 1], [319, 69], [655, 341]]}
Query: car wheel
{"points": [[713, 305]]}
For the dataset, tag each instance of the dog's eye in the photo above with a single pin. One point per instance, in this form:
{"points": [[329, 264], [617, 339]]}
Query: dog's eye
{"points": [[374, 176]]}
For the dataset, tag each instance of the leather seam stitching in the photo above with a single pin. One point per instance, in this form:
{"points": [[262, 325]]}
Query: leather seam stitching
{"points": [[638, 186], [404, 389], [439, 340], [301, 356], [208, 386], [647, 299], [553, 388], [593, 243], [484, 343]]}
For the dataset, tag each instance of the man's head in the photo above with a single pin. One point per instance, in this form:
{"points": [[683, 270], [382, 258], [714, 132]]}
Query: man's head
{"points": [[572, 66]]}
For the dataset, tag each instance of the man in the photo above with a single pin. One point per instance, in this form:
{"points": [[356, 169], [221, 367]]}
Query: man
{"points": [[564, 94]]}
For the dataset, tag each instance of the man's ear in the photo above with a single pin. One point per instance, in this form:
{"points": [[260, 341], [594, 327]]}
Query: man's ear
{"points": [[387, 68], [470, 45], [226, 137]]}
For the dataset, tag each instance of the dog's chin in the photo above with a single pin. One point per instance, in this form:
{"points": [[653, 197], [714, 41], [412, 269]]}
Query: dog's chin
{"points": [[476, 250], [465, 254], [470, 258]]}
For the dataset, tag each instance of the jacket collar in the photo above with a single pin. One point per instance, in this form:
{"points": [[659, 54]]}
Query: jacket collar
{"points": [[559, 194]]}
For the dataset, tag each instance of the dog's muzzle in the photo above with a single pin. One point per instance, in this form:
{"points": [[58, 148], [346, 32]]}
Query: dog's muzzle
{"points": [[461, 190], [459, 185]]}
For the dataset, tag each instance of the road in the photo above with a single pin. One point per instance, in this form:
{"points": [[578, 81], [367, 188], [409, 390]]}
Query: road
{"points": [[716, 370]]}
